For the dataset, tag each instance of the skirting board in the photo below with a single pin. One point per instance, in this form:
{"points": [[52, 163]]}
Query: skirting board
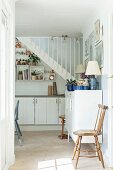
{"points": [[40, 127], [106, 161], [9, 163]]}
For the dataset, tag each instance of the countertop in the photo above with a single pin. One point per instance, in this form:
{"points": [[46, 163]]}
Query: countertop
{"points": [[59, 95]]}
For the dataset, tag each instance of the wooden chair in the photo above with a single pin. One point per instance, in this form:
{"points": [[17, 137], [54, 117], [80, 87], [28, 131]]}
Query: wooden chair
{"points": [[96, 132]]}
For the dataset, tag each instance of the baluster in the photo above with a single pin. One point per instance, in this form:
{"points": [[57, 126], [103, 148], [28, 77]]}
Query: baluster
{"points": [[39, 43], [48, 49], [61, 51], [52, 48], [57, 51], [66, 55], [70, 55], [79, 50]]}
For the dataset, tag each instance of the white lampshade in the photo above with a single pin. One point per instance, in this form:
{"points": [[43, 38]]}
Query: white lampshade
{"points": [[80, 68], [92, 68]]}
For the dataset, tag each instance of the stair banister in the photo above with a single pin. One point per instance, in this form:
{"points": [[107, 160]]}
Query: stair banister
{"points": [[60, 55]]}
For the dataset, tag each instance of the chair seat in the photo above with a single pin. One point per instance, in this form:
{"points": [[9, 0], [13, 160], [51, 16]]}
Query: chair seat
{"points": [[86, 132]]}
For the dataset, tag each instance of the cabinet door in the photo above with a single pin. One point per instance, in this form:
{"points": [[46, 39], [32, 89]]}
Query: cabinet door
{"points": [[40, 110], [52, 110], [61, 107], [26, 110]]}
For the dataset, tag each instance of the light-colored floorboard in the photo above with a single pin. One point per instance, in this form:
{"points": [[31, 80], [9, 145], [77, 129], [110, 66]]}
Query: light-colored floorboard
{"points": [[45, 151]]}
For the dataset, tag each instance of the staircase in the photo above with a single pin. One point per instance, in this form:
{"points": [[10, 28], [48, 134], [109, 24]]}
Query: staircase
{"points": [[62, 55]]}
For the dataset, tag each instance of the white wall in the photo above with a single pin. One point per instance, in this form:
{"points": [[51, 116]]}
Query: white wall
{"points": [[104, 13]]}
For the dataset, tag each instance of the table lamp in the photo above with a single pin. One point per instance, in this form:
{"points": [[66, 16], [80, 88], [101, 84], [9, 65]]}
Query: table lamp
{"points": [[92, 70], [80, 70]]}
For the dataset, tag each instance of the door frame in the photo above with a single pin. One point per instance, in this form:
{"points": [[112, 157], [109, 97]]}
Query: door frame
{"points": [[8, 8]]}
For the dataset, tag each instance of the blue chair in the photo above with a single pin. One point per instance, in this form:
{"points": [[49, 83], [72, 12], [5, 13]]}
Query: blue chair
{"points": [[17, 128]]}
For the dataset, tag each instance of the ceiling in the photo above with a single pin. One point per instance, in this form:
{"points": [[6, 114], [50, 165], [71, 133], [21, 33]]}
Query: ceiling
{"points": [[53, 17]]}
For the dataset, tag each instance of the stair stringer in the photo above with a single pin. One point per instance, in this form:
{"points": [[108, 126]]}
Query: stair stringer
{"points": [[45, 58]]}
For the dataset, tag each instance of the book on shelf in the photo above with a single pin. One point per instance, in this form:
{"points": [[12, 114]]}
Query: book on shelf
{"points": [[25, 74]]}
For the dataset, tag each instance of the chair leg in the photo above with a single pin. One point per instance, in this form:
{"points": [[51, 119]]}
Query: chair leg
{"points": [[19, 129], [19, 134], [78, 154], [75, 148], [100, 152], [97, 147]]}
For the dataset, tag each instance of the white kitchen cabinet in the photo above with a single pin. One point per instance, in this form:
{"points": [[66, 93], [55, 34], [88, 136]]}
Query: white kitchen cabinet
{"points": [[81, 108], [40, 110], [26, 110], [52, 110]]}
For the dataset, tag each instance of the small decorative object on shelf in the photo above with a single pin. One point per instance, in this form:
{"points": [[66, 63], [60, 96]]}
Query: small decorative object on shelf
{"points": [[51, 77], [81, 84], [28, 52], [33, 59], [21, 62], [20, 75], [54, 89], [18, 45], [50, 90], [70, 84], [33, 75], [37, 72], [86, 84], [17, 61]]}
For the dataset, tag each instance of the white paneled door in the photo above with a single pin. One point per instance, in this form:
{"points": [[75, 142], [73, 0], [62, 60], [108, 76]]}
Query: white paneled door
{"points": [[40, 110], [26, 110]]}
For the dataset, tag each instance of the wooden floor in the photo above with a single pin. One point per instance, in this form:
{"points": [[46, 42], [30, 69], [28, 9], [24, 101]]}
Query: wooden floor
{"points": [[45, 151]]}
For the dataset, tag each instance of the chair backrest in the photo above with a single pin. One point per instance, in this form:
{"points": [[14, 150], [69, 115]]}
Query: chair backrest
{"points": [[16, 110], [100, 117]]}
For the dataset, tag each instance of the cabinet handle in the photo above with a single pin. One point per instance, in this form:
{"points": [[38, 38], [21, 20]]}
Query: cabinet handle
{"points": [[36, 101], [33, 100], [71, 105], [56, 101]]}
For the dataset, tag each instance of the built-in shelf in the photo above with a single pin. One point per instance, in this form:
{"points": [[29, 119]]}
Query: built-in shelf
{"points": [[33, 73], [28, 73]]}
